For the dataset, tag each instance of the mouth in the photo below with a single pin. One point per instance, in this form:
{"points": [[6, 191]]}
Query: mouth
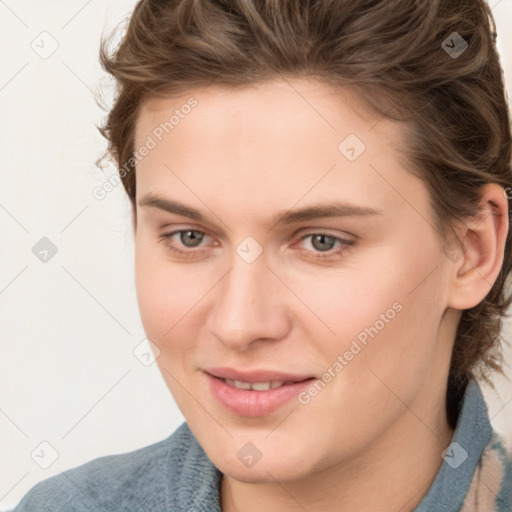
{"points": [[257, 393]]}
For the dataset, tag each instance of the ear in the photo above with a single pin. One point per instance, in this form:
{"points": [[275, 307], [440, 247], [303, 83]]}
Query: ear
{"points": [[481, 248]]}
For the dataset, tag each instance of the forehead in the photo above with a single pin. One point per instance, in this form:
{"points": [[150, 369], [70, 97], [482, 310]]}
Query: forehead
{"points": [[301, 138], [323, 108]]}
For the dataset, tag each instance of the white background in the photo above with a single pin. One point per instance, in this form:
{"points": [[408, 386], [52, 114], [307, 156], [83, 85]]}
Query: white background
{"points": [[68, 375]]}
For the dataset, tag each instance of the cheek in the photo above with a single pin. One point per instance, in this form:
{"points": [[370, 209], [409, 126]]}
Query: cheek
{"points": [[396, 324], [172, 299], [161, 290], [166, 296], [383, 312], [343, 302]]}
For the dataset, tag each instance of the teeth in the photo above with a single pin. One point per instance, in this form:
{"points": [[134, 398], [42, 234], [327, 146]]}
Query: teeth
{"points": [[241, 385], [260, 386], [255, 386]]}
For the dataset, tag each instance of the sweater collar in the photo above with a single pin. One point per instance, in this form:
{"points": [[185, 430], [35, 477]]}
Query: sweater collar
{"points": [[193, 481], [472, 434]]}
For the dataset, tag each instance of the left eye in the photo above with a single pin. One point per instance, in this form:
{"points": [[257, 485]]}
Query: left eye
{"points": [[187, 236], [323, 244], [320, 240], [190, 236]]}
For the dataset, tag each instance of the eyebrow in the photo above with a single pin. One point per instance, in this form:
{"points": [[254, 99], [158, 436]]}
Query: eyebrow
{"points": [[325, 210]]}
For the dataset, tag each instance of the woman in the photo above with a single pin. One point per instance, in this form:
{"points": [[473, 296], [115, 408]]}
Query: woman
{"points": [[320, 209]]}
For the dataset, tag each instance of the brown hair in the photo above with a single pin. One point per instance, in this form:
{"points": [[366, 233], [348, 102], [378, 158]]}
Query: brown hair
{"points": [[404, 59]]}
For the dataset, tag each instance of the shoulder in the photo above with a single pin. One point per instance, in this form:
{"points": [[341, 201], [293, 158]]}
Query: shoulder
{"points": [[129, 481], [491, 486]]}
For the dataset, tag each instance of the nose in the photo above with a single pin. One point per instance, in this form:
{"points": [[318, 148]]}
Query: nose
{"points": [[250, 305]]}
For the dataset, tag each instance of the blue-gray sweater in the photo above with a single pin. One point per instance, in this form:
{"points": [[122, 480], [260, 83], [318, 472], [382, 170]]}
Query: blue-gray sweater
{"points": [[175, 475]]}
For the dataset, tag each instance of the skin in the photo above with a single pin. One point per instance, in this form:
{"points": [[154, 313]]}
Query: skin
{"points": [[372, 438]]}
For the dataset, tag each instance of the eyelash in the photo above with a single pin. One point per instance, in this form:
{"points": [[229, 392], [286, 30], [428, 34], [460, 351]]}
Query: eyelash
{"points": [[346, 245]]}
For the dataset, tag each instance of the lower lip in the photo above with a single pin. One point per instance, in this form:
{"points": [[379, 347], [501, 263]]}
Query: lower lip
{"points": [[253, 403]]}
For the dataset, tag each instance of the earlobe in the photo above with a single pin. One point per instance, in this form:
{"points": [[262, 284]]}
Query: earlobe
{"points": [[481, 249]]}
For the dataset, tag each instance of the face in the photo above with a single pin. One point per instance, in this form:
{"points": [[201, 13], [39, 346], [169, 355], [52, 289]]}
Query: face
{"points": [[348, 289]]}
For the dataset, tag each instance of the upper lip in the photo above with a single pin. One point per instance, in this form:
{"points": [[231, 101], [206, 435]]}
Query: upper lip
{"points": [[255, 375]]}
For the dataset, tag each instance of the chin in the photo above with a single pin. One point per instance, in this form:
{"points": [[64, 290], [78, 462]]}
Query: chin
{"points": [[280, 465], [262, 473]]}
